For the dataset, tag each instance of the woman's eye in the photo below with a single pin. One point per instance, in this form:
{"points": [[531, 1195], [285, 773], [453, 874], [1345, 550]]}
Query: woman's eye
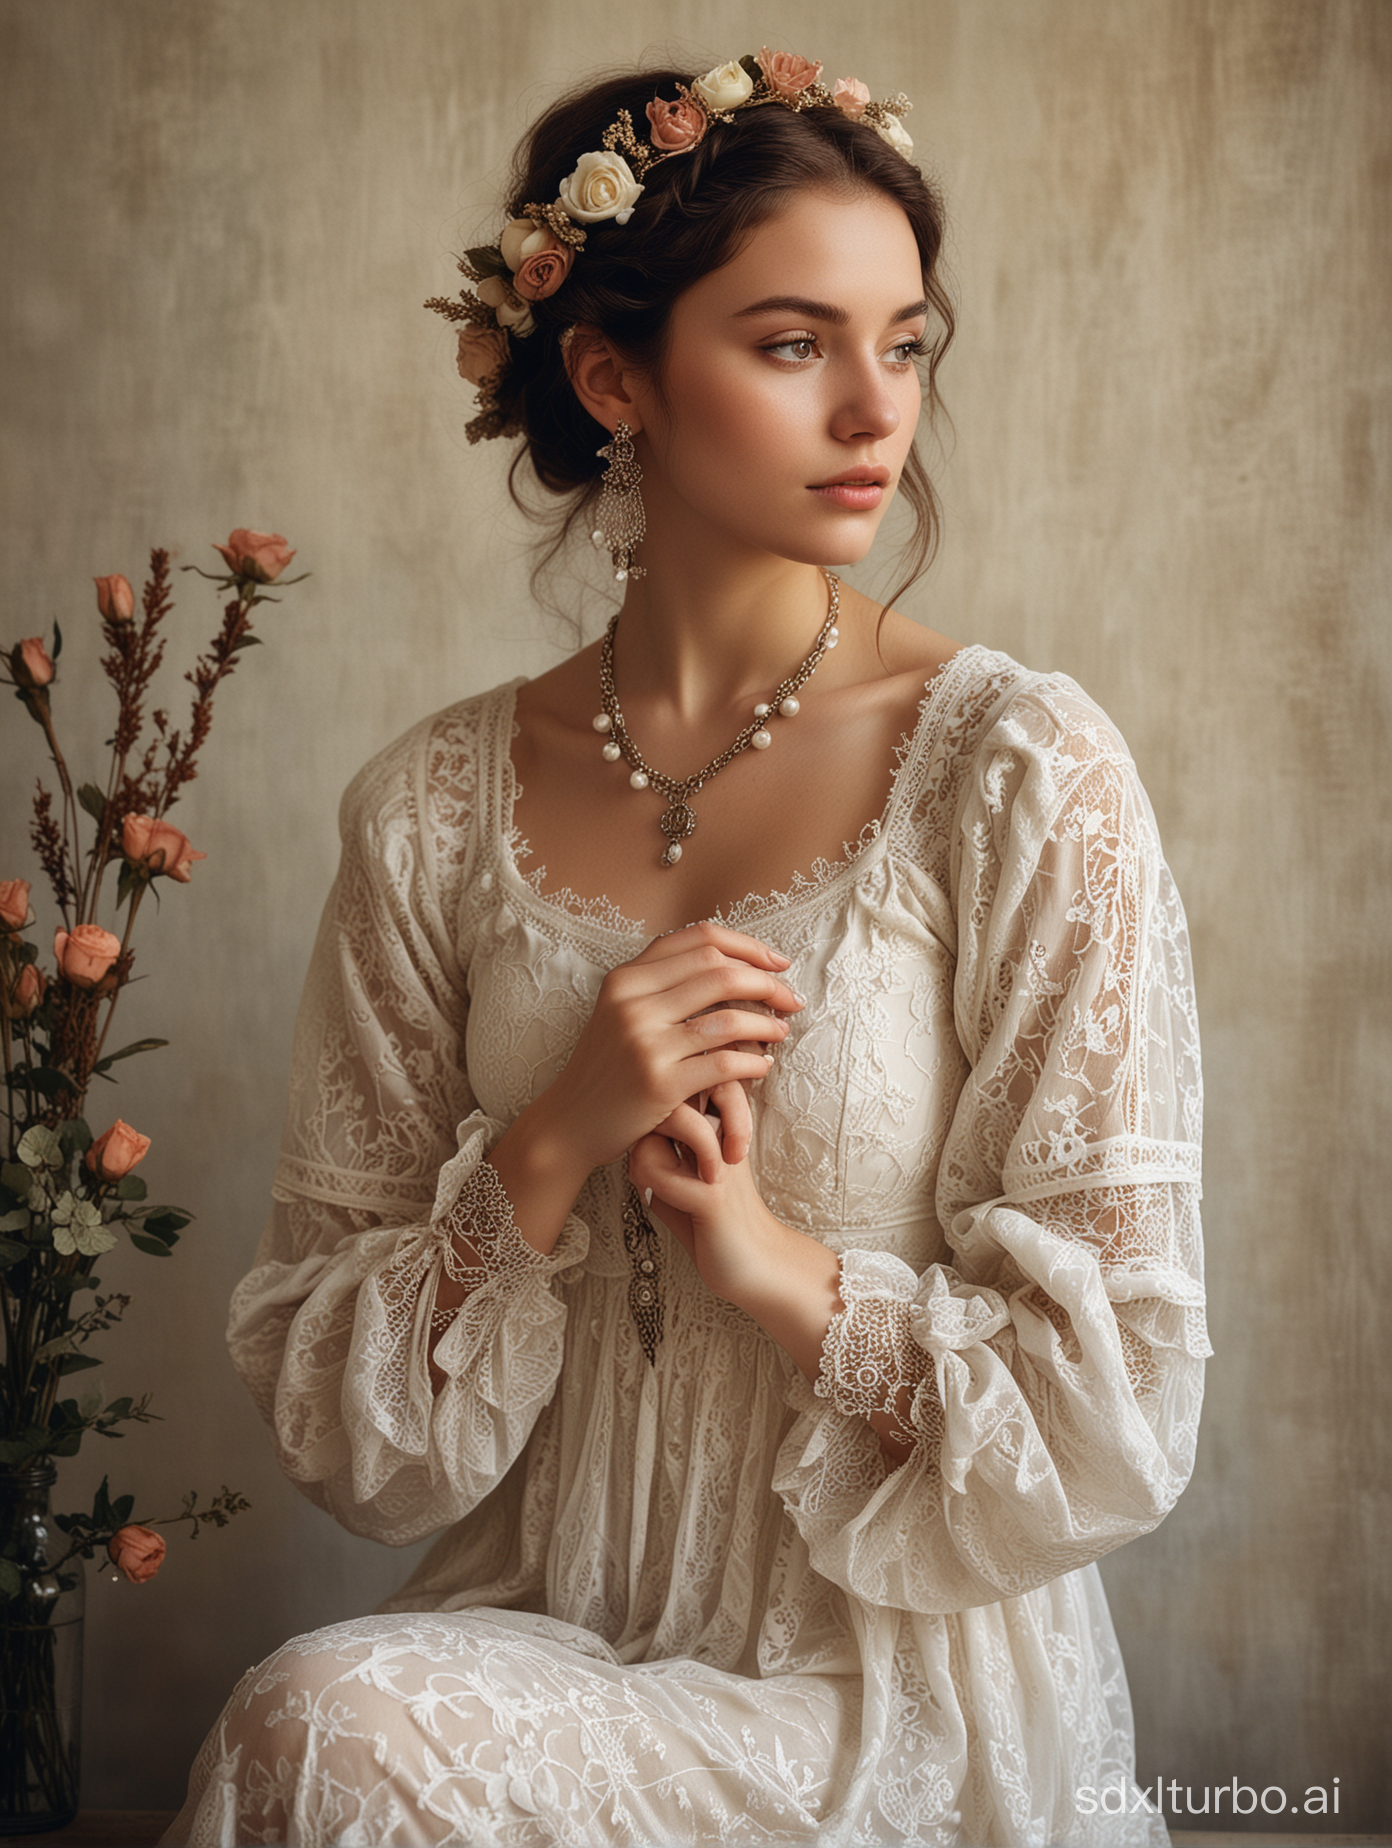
{"points": [[804, 347], [904, 352]]}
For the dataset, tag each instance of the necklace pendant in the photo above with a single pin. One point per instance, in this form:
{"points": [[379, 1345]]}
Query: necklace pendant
{"points": [[678, 821]]}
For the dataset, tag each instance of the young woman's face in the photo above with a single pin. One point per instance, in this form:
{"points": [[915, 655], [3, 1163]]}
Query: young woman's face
{"points": [[789, 392]]}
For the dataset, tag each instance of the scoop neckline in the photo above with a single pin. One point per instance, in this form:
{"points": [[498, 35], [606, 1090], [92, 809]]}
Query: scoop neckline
{"points": [[601, 920]]}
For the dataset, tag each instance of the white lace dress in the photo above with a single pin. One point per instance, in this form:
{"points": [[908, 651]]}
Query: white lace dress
{"points": [[690, 1601]]}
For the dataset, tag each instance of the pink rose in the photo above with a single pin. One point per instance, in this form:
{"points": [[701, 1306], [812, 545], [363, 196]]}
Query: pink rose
{"points": [[787, 73], [158, 848], [259, 556], [541, 272], [14, 903], [30, 663], [85, 954], [483, 351], [117, 1151], [27, 993], [850, 97], [677, 126], [115, 598], [138, 1552]]}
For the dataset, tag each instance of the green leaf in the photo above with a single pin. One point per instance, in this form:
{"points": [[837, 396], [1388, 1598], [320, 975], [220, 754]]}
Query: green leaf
{"points": [[57, 641], [11, 1253], [76, 1363], [249, 640], [127, 1052], [92, 800], [127, 882], [40, 1078], [10, 1581], [487, 259], [131, 1187], [150, 1245], [17, 1178], [751, 67], [17, 1221], [161, 1221], [66, 1444], [121, 1509]]}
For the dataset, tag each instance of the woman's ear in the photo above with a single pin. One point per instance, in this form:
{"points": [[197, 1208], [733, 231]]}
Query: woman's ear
{"points": [[599, 378]]}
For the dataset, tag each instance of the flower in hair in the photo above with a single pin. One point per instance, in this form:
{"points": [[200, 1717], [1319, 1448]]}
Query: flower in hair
{"points": [[536, 252]]}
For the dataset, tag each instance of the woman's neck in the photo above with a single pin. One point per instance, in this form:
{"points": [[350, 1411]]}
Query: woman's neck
{"points": [[698, 639]]}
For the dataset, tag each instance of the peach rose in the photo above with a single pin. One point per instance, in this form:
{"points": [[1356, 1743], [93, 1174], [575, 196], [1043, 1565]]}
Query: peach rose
{"points": [[677, 126], [787, 73], [850, 97], [259, 556], [14, 903], [137, 1552], [544, 267], [483, 351], [116, 1152], [86, 954], [30, 663], [158, 848], [115, 598], [27, 993]]}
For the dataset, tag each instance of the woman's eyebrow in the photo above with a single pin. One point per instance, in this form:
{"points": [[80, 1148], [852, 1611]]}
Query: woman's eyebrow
{"points": [[820, 311]]}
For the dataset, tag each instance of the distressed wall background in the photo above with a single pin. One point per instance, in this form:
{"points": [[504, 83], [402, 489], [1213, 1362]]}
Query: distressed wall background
{"points": [[1168, 475]]}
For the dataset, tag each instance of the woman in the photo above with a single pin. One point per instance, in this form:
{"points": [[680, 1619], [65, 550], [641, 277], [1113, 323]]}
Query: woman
{"points": [[780, 1312]]}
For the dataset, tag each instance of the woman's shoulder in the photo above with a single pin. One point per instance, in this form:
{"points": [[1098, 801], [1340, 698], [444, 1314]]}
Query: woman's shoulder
{"points": [[992, 705], [431, 775]]}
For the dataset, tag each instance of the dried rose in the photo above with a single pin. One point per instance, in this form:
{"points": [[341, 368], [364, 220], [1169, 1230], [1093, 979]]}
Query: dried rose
{"points": [[30, 663], [726, 87], [27, 993], [260, 556], [85, 954], [787, 73], [602, 186], [157, 847], [116, 1151], [14, 903], [677, 126], [115, 598], [483, 351], [850, 97], [137, 1553], [544, 267]]}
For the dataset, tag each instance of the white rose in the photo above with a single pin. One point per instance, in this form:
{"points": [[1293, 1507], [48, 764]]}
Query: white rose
{"points": [[509, 309], [726, 87], [892, 130], [523, 239], [602, 186]]}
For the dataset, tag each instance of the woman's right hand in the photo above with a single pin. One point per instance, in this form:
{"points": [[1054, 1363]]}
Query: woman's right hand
{"points": [[666, 1027]]}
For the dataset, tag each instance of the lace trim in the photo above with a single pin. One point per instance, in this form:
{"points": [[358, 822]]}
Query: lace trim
{"points": [[602, 914], [871, 1363]]}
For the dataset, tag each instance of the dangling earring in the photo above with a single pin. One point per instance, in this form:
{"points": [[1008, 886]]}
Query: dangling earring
{"points": [[619, 521]]}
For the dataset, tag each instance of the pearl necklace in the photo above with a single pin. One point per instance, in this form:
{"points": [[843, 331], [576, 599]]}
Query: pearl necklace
{"points": [[678, 820]]}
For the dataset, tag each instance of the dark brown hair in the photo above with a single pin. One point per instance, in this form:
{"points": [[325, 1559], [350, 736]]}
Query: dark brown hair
{"points": [[695, 210]]}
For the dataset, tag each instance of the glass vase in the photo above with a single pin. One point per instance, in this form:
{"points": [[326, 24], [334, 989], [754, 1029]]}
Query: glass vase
{"points": [[42, 1594]]}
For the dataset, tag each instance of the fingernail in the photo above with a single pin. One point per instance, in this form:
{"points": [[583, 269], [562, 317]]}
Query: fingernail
{"points": [[800, 999], [784, 962], [647, 1196], [768, 1055]]}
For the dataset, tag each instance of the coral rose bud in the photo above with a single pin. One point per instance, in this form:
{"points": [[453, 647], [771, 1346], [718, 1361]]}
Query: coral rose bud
{"points": [[158, 848], [259, 556], [137, 1552], [86, 954], [14, 903], [115, 598], [30, 663], [787, 73], [677, 126], [850, 97], [27, 994], [117, 1151], [544, 267]]}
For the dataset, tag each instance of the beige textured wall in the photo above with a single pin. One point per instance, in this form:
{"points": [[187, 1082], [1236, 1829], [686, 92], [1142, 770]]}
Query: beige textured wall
{"points": [[1169, 476]]}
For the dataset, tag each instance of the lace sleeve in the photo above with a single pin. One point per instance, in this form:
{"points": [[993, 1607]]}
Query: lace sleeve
{"points": [[383, 1151], [1049, 1380]]}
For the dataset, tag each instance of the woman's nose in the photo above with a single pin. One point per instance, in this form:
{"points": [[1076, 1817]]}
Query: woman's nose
{"points": [[866, 407]]}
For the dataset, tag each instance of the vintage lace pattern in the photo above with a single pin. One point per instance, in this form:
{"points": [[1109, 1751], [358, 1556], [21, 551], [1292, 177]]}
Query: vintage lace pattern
{"points": [[692, 1601]]}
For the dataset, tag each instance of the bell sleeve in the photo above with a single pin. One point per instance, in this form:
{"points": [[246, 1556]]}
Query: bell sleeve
{"points": [[384, 1138], [1047, 1382]]}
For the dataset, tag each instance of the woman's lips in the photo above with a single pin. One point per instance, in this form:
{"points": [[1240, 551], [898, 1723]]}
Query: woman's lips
{"points": [[862, 496]]}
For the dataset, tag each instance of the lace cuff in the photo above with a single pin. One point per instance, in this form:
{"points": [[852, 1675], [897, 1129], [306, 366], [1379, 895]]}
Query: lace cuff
{"points": [[482, 1215], [871, 1363]]}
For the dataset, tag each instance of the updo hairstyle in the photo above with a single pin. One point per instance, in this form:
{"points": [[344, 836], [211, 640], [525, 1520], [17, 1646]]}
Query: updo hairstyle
{"points": [[695, 209]]}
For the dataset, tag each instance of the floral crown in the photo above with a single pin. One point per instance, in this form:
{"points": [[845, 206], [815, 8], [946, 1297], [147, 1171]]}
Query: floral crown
{"points": [[534, 255]]}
